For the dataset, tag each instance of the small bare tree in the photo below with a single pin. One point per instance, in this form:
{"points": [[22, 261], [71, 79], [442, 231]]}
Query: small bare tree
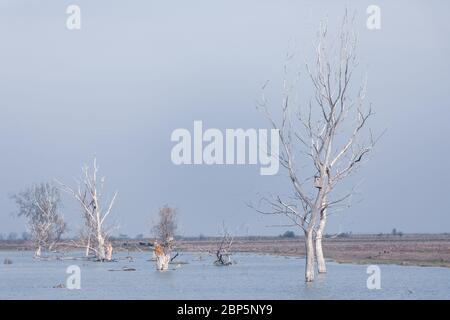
{"points": [[223, 252], [39, 205], [89, 194], [164, 230], [327, 137]]}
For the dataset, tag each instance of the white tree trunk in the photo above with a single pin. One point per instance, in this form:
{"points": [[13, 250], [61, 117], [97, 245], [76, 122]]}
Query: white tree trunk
{"points": [[321, 266], [101, 253], [319, 251], [88, 247], [309, 264], [38, 251], [109, 252]]}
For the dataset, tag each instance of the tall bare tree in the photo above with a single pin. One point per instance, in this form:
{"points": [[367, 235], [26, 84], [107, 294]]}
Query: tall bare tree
{"points": [[89, 194], [39, 204], [164, 230], [329, 139]]}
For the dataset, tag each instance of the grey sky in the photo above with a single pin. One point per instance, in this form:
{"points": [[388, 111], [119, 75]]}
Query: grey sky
{"points": [[138, 70]]}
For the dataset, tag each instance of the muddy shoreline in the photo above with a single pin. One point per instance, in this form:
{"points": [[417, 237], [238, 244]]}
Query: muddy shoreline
{"points": [[411, 250]]}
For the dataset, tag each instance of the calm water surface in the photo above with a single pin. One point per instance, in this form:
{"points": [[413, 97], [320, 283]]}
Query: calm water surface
{"points": [[253, 277]]}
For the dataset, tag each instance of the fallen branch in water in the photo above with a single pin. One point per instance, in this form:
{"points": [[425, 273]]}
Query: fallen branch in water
{"points": [[123, 269], [173, 258]]}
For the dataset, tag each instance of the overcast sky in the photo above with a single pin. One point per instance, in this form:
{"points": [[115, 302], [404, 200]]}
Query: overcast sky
{"points": [[137, 70]]}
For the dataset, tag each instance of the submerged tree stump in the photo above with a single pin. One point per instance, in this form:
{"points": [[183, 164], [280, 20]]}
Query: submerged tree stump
{"points": [[162, 258], [162, 262], [109, 251], [223, 259]]}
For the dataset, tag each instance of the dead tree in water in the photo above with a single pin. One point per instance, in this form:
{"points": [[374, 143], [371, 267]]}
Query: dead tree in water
{"points": [[164, 231], [322, 145], [89, 195], [223, 252], [39, 205]]}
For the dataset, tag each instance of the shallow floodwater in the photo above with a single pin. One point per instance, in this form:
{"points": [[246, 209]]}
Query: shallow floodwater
{"points": [[253, 277]]}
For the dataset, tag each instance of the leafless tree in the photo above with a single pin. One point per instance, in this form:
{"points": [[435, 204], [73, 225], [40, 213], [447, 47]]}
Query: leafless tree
{"points": [[329, 139], [164, 230], [89, 194], [39, 205], [223, 252]]}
